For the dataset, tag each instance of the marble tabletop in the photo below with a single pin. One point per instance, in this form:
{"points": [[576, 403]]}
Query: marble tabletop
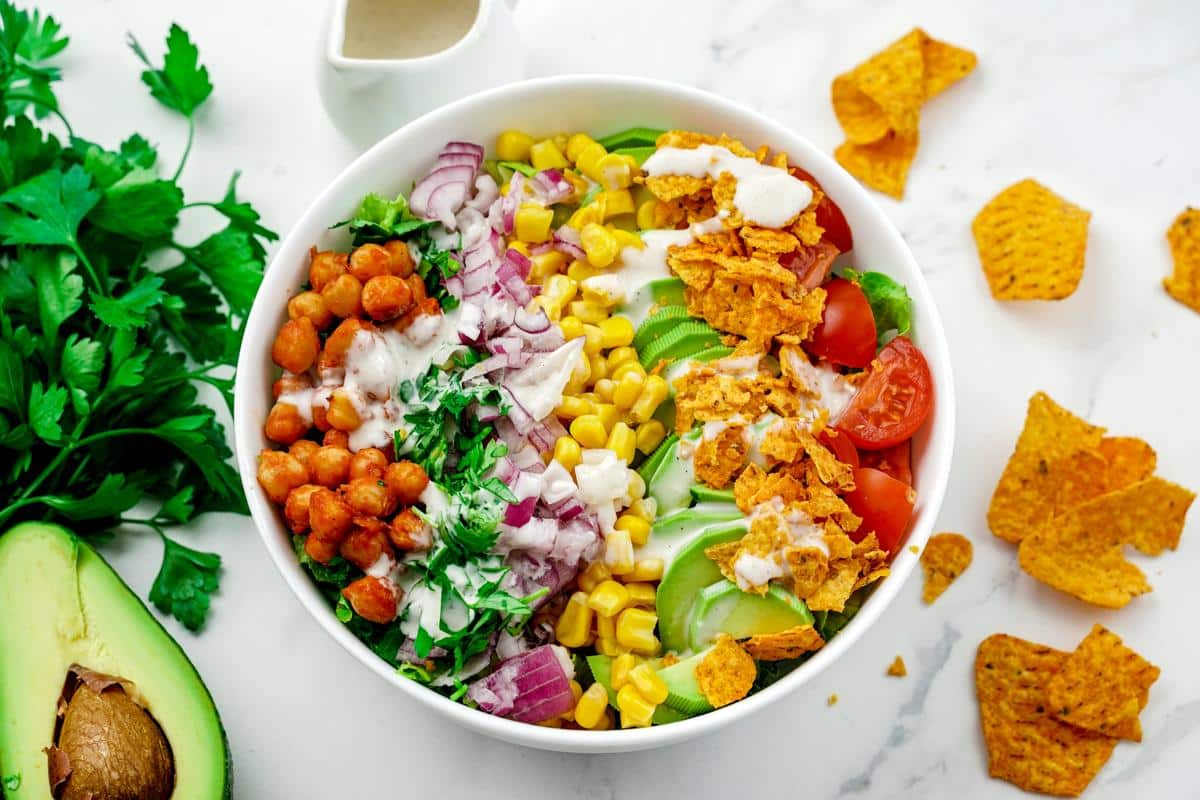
{"points": [[1097, 100]]}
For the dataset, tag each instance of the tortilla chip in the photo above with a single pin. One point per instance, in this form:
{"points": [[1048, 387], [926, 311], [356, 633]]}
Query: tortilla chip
{"points": [[1184, 239], [881, 165], [1031, 243], [672, 187], [884, 93], [1051, 433], [1082, 551], [897, 669], [726, 674], [809, 567], [832, 596], [1026, 746], [832, 700], [1102, 686], [1127, 460], [946, 556], [769, 240], [792, 643], [945, 65], [719, 458]]}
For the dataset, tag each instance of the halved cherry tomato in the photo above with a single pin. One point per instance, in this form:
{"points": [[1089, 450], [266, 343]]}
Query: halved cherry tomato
{"points": [[812, 264], [839, 443], [829, 216], [846, 334], [885, 505], [895, 461], [893, 401]]}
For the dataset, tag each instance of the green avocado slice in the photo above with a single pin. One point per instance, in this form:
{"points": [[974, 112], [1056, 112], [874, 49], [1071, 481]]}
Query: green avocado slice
{"points": [[724, 608], [684, 693], [631, 137], [687, 574], [682, 340], [665, 448], [61, 604], [703, 493], [673, 478], [657, 324]]}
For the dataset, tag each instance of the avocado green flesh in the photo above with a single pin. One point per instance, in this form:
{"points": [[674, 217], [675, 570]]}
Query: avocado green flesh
{"points": [[674, 531], [671, 483], [688, 573], [61, 604], [685, 338], [653, 294], [724, 608], [706, 494], [631, 137], [657, 324], [652, 462]]}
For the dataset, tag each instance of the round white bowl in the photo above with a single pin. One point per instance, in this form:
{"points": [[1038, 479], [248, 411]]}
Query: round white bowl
{"points": [[599, 104]]}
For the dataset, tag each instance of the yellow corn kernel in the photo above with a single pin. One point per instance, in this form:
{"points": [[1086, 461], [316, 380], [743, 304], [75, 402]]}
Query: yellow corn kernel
{"points": [[650, 399], [628, 389], [533, 223], [560, 141], [572, 407], [637, 528], [645, 215], [571, 327], [548, 271], [622, 665], [614, 172], [595, 574], [636, 487], [592, 213], [567, 452], [621, 355], [608, 599], [546, 155], [606, 628], [606, 721], [618, 332], [648, 569], [579, 185], [618, 554], [581, 271], [575, 144], [635, 630], [603, 292], [589, 431], [610, 647], [592, 706], [609, 415], [622, 441], [648, 684], [513, 146], [617, 202], [576, 693], [553, 722], [629, 366], [520, 247], [646, 508], [589, 311], [575, 625], [592, 340], [553, 312], [544, 266], [603, 388], [588, 159], [599, 244], [636, 711], [649, 434], [599, 367], [628, 239], [641, 594]]}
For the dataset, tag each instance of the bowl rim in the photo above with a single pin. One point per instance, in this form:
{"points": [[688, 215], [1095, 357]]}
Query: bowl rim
{"points": [[939, 446]]}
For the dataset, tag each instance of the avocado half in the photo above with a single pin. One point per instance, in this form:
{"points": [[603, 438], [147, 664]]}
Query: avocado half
{"points": [[63, 607]]}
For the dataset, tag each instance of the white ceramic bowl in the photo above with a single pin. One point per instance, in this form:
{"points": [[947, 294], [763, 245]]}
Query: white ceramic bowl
{"points": [[600, 105]]}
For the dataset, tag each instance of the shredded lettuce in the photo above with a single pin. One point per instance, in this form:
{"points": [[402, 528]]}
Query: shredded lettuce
{"points": [[379, 219], [889, 301]]}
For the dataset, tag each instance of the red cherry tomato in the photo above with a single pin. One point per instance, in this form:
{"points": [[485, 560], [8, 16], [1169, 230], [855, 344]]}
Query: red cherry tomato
{"points": [[895, 461], [840, 445], [885, 505], [812, 264], [846, 334], [829, 216], [893, 401]]}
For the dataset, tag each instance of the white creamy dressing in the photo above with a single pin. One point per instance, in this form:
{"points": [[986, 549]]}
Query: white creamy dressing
{"points": [[830, 390], [397, 29], [436, 502], [765, 195], [636, 267], [302, 398], [610, 286], [753, 570], [538, 386]]}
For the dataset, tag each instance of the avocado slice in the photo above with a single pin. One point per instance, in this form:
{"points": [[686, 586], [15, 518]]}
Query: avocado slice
{"points": [[651, 295], [631, 137], [683, 339], [657, 324], [706, 494], [61, 605], [724, 608], [664, 449], [688, 573], [673, 478], [685, 696], [672, 532], [601, 667]]}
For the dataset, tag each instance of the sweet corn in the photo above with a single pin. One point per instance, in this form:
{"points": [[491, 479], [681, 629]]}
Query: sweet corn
{"points": [[604, 389], [627, 367], [635, 630], [645, 508], [581, 271], [589, 431], [628, 238], [572, 407], [599, 244], [614, 173], [513, 146], [610, 647], [648, 684], [636, 711], [520, 247], [576, 693], [608, 599], [591, 707], [606, 628], [648, 569], [546, 265], [641, 594], [575, 144], [567, 452], [618, 554], [598, 366], [589, 311], [650, 399], [649, 434], [617, 202], [617, 331], [546, 155], [575, 625], [628, 389], [578, 183], [572, 327], [621, 355], [561, 288], [606, 721], [636, 487], [588, 160], [609, 415], [533, 223], [595, 574], [637, 528], [560, 141], [593, 340], [622, 441], [553, 722], [645, 214], [622, 665]]}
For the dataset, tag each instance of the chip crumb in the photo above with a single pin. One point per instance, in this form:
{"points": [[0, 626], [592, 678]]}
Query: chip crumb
{"points": [[791, 643], [897, 669], [1184, 240], [912, 548], [946, 556], [726, 674], [833, 698]]}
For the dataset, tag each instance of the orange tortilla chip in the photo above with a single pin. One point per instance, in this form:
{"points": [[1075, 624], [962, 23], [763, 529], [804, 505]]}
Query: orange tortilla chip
{"points": [[1102, 686], [1027, 746], [1082, 551], [809, 567], [882, 165], [726, 674], [792, 643], [897, 669], [672, 187], [946, 556], [882, 94], [1031, 243], [945, 65], [833, 594], [1127, 460], [1184, 239]]}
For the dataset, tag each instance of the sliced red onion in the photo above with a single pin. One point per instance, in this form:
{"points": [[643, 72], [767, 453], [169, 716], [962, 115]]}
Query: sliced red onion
{"points": [[526, 485], [454, 285], [444, 200], [508, 645], [551, 187], [519, 261], [529, 459], [517, 514], [464, 147], [533, 322], [571, 508], [508, 275], [422, 198], [489, 364], [530, 687], [486, 192], [566, 240], [457, 160]]}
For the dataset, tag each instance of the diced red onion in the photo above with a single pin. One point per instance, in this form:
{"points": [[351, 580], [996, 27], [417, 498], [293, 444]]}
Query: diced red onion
{"points": [[520, 261], [445, 199], [540, 248], [517, 514], [487, 413], [566, 240], [533, 322], [486, 192], [551, 187]]}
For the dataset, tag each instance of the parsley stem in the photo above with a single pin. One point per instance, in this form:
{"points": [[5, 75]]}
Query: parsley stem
{"points": [[40, 103], [87, 264], [187, 149]]}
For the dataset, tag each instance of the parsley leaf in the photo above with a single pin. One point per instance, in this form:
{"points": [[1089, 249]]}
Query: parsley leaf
{"points": [[130, 309], [46, 408], [56, 203], [113, 496], [59, 288], [140, 206], [184, 582], [182, 83]]}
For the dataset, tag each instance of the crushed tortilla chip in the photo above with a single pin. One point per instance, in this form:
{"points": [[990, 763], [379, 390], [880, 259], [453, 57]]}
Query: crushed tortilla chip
{"points": [[755, 486], [791, 643], [672, 187], [809, 567], [1102, 686], [1184, 239], [832, 700], [769, 240], [718, 458], [789, 440], [726, 674], [1026, 745], [833, 594], [897, 669], [945, 64], [1081, 552], [883, 164], [1127, 460], [1031, 243], [685, 140], [946, 556]]}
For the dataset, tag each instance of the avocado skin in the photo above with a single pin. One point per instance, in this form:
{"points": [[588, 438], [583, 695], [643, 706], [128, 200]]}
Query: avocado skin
{"points": [[38, 532]]}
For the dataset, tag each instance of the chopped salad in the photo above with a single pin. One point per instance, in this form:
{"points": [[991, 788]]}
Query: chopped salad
{"points": [[596, 432]]}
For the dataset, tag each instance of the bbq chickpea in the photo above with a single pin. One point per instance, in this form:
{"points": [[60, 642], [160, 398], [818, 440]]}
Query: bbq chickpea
{"points": [[338, 343], [341, 413], [325, 266], [287, 382], [295, 508], [364, 546], [320, 422], [406, 480], [369, 496], [279, 473], [409, 532], [296, 345], [330, 466], [369, 261], [370, 462], [373, 599], [329, 516], [343, 296], [335, 438], [386, 297], [311, 306], [402, 261], [284, 424], [303, 451]]}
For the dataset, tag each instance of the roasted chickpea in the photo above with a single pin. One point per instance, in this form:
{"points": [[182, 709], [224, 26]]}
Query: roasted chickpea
{"points": [[406, 480], [287, 382], [336, 438], [402, 261], [338, 343], [369, 261], [417, 285], [409, 532], [279, 473], [325, 266], [296, 345], [310, 305], [427, 307], [320, 550], [385, 297], [343, 296], [341, 413], [330, 466], [303, 450], [284, 424], [364, 546], [320, 422], [373, 599], [295, 509], [369, 462], [369, 496], [329, 516]]}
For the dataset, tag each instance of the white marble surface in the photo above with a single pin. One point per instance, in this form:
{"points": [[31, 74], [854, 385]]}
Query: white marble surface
{"points": [[1097, 100]]}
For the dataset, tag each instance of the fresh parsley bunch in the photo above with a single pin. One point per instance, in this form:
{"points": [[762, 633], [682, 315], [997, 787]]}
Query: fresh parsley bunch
{"points": [[108, 323]]}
